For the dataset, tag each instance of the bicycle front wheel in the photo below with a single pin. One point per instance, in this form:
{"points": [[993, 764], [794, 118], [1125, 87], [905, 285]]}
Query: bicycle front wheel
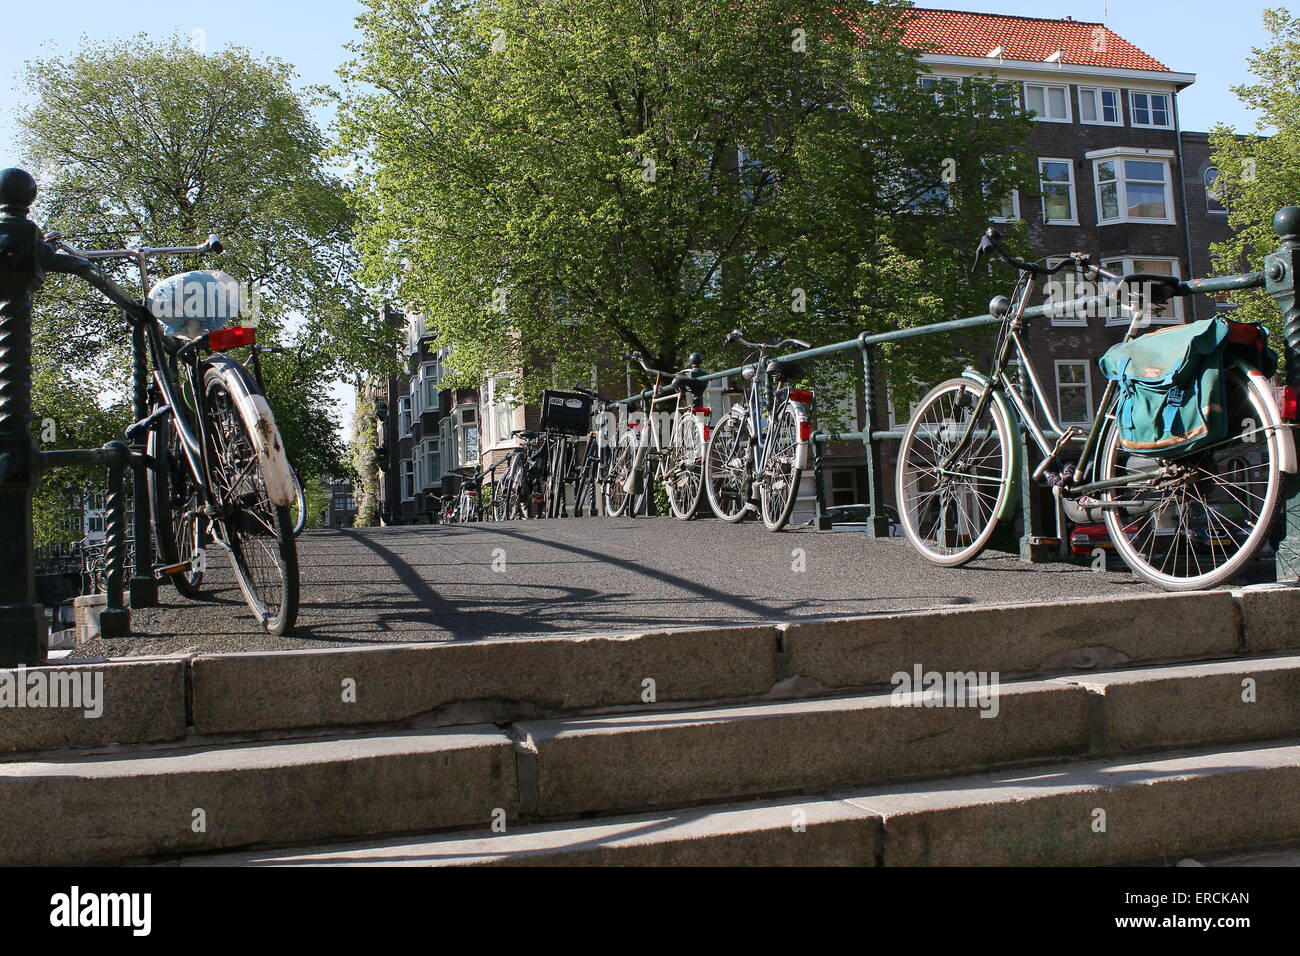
{"points": [[179, 531], [259, 532], [1202, 518], [683, 467], [778, 486], [726, 469], [951, 487]]}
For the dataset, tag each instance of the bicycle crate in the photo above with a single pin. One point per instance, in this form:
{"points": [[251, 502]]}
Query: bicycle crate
{"points": [[568, 413]]}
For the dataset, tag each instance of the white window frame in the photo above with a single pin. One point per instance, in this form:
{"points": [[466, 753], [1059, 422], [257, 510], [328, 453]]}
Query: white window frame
{"points": [[1133, 109], [937, 80], [1086, 385], [1015, 209], [407, 479], [1094, 93], [489, 414], [1074, 191], [1126, 264], [1045, 87], [1065, 275], [1210, 197], [1120, 158], [404, 417]]}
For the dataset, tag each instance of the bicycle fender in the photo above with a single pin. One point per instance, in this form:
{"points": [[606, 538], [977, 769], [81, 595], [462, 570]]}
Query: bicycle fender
{"points": [[1016, 464], [1278, 430], [259, 420], [803, 449]]}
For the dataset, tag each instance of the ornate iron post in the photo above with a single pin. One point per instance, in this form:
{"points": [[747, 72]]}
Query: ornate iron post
{"points": [[142, 587], [1280, 271], [24, 637], [877, 520]]}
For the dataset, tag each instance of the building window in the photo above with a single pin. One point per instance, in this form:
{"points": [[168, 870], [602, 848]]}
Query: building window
{"points": [[404, 416], [1062, 288], [1133, 190], [408, 479], [1098, 107], [1049, 104], [939, 86], [1073, 392], [1213, 193], [1059, 206], [430, 384], [499, 413], [1010, 208], [1170, 312], [1150, 109], [429, 463], [466, 418]]}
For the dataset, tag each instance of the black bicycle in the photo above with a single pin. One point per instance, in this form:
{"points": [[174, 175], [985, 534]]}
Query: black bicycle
{"points": [[218, 477]]}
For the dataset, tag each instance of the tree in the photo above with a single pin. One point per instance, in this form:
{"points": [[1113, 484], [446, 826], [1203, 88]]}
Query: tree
{"points": [[575, 178], [152, 142], [1260, 173]]}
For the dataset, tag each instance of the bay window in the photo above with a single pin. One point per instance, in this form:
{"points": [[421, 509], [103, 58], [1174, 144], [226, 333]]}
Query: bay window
{"points": [[1133, 188]]}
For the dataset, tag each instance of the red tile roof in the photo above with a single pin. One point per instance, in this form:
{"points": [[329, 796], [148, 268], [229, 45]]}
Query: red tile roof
{"points": [[959, 33]]}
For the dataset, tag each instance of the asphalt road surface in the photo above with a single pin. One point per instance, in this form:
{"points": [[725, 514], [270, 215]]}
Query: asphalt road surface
{"points": [[592, 575]]}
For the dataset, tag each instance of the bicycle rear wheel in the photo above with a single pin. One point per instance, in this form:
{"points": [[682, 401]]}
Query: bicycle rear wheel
{"points": [[1200, 524], [617, 498], [949, 513], [180, 533], [259, 532]]}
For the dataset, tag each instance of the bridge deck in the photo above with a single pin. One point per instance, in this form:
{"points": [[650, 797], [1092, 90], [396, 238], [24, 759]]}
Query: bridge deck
{"points": [[435, 583]]}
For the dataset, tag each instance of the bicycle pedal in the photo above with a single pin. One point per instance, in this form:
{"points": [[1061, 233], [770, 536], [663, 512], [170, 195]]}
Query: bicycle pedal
{"points": [[166, 570]]}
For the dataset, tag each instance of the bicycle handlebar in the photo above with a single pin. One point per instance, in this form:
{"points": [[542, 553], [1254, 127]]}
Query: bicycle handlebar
{"points": [[735, 335]]}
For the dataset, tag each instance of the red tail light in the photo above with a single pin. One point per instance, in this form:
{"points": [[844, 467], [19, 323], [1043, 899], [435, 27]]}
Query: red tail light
{"points": [[633, 424], [1289, 404], [231, 337], [805, 431], [705, 412], [800, 396]]}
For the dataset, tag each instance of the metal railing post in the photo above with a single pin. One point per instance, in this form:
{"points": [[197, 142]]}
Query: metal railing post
{"points": [[821, 520], [143, 587], [115, 619], [1280, 270], [24, 636], [877, 521]]}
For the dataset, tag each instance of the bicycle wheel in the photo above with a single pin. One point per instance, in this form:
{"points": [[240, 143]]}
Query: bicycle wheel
{"points": [[726, 469], [1200, 522], [683, 467], [778, 484], [179, 531], [617, 498], [298, 509], [258, 531], [950, 514]]}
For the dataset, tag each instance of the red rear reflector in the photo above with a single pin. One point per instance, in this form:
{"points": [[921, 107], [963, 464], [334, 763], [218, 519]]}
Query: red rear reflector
{"points": [[707, 429], [232, 337], [1245, 333], [1290, 404], [706, 412], [805, 431], [801, 397]]}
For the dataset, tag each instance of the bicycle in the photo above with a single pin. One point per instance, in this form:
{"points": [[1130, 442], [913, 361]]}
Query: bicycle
{"points": [[761, 448], [590, 473], [1181, 523], [678, 464], [217, 474], [517, 494]]}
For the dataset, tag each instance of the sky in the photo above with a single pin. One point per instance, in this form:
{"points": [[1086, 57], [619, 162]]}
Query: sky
{"points": [[1204, 37]]}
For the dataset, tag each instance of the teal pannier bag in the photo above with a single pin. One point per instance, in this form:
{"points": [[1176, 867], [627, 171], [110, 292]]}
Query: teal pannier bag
{"points": [[1171, 388]]}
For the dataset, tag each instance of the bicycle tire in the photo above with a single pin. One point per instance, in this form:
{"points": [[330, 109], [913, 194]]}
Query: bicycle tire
{"points": [[167, 513], [267, 574]]}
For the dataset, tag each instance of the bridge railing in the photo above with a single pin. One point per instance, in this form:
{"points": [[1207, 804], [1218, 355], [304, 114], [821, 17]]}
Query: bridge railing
{"points": [[1278, 279]]}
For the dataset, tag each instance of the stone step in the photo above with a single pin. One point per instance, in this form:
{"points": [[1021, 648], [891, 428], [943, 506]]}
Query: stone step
{"points": [[150, 799], [109, 807], [498, 681], [1154, 809]]}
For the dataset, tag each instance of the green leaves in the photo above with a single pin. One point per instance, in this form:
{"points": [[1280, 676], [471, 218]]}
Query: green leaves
{"points": [[573, 179], [1258, 174]]}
